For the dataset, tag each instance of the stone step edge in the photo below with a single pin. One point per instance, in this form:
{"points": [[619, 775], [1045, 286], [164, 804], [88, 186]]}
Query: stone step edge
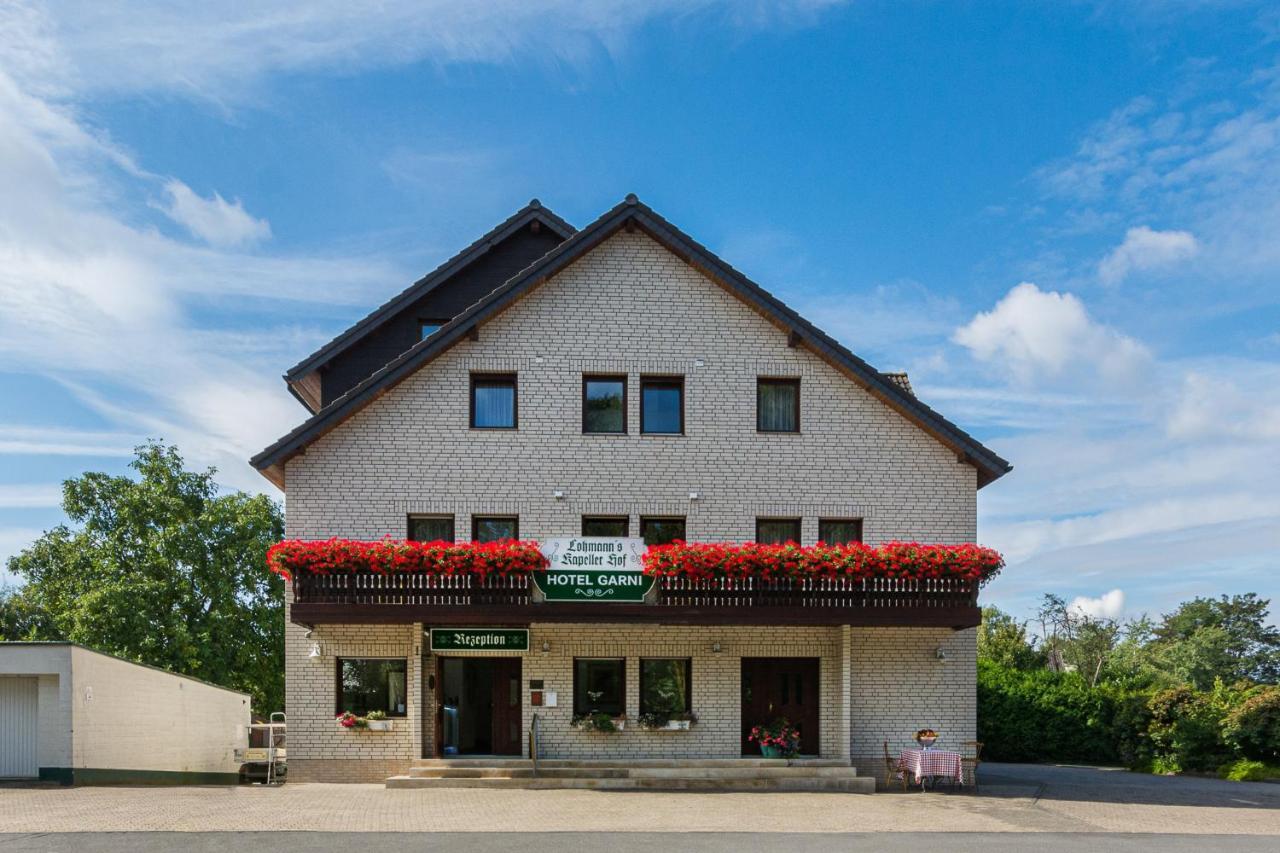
{"points": [[858, 785], [634, 773], [607, 763]]}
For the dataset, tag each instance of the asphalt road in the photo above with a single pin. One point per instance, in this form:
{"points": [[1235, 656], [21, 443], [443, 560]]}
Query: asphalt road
{"points": [[592, 842]]}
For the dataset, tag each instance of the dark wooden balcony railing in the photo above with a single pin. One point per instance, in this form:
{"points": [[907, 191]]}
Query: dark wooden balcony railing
{"points": [[419, 597]]}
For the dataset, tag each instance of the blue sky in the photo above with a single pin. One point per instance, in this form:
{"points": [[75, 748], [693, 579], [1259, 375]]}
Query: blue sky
{"points": [[1061, 219]]}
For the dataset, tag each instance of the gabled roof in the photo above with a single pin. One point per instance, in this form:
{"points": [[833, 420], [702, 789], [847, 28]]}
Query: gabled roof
{"points": [[631, 213], [532, 212]]}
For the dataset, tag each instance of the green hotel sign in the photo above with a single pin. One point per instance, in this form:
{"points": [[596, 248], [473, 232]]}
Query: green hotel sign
{"points": [[479, 639], [593, 568]]}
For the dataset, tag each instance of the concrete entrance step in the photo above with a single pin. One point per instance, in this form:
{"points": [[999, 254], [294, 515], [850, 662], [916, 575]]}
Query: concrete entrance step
{"points": [[670, 774], [633, 772], [630, 763], [851, 784]]}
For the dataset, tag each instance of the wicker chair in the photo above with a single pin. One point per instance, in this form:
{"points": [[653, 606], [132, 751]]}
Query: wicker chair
{"points": [[970, 758], [891, 769]]}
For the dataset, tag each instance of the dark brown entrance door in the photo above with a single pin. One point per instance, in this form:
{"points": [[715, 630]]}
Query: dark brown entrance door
{"points": [[780, 687], [506, 706]]}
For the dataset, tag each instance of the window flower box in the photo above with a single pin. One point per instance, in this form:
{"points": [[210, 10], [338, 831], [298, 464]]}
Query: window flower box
{"points": [[661, 722], [376, 721], [599, 723]]}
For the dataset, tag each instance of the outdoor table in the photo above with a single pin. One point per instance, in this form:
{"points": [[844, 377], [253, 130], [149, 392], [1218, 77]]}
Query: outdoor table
{"points": [[925, 763]]}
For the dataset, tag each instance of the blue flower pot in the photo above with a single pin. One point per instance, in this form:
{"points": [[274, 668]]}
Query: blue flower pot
{"points": [[770, 751]]}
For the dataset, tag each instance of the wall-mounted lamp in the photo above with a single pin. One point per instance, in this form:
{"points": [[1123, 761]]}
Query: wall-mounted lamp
{"points": [[537, 359], [715, 648], [940, 653], [693, 496], [558, 494], [697, 362], [314, 652], [546, 647]]}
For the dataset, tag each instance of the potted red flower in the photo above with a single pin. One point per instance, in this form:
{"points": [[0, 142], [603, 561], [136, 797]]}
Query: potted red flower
{"points": [[778, 739]]}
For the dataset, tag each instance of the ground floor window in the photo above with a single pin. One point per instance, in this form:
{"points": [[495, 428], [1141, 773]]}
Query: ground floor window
{"points": [[371, 684], [665, 685], [661, 530], [599, 686]]}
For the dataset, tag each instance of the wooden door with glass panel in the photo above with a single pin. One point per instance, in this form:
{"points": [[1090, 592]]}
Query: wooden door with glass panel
{"points": [[774, 688]]}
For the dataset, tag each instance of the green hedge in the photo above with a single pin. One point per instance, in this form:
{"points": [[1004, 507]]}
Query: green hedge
{"points": [[1039, 715]]}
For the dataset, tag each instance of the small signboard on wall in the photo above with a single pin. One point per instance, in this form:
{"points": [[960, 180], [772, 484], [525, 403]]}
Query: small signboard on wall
{"points": [[479, 639]]}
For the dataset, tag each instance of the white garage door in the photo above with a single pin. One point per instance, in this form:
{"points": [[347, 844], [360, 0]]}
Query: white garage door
{"points": [[18, 723]]}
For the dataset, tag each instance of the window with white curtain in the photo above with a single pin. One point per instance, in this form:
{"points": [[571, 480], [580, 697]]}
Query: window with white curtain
{"points": [[493, 401], [777, 405]]}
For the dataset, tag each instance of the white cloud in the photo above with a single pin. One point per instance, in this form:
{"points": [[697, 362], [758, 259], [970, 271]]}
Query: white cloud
{"points": [[1036, 334], [41, 496], [1145, 249], [214, 220], [219, 51], [1110, 605], [1209, 406], [57, 441]]}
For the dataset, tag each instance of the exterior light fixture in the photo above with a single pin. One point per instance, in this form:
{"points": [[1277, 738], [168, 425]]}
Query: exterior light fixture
{"points": [[546, 647], [715, 648], [314, 651], [558, 494], [693, 496], [940, 653]]}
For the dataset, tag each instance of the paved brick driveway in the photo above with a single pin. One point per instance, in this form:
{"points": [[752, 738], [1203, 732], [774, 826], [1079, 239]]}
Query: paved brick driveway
{"points": [[1015, 798]]}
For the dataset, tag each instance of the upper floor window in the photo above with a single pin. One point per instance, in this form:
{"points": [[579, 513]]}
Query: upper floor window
{"points": [[493, 528], [493, 401], [661, 530], [777, 531], [598, 525], [431, 528], [839, 531], [604, 404], [777, 405], [662, 405], [427, 328]]}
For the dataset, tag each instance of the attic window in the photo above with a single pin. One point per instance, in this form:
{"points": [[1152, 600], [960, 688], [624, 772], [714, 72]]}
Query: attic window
{"points": [[429, 327]]}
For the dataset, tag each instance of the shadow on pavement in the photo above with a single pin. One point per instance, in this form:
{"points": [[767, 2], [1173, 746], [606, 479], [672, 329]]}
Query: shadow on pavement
{"points": [[1111, 785]]}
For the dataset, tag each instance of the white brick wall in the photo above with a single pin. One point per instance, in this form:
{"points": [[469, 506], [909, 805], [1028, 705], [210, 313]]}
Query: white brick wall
{"points": [[627, 307]]}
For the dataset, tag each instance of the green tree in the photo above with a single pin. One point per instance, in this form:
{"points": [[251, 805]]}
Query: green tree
{"points": [[1003, 640], [19, 618], [1226, 638], [163, 570]]}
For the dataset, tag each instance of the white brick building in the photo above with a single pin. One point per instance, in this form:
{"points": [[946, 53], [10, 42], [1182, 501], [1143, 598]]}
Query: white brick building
{"points": [[693, 374]]}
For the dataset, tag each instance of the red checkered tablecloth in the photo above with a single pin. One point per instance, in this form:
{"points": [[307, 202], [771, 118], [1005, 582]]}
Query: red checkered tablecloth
{"points": [[931, 762]]}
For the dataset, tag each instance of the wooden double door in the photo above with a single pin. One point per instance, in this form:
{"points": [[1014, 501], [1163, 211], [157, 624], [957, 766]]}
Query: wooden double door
{"points": [[478, 706], [774, 688]]}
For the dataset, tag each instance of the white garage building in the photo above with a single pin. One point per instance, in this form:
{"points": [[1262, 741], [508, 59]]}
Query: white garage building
{"points": [[72, 715]]}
